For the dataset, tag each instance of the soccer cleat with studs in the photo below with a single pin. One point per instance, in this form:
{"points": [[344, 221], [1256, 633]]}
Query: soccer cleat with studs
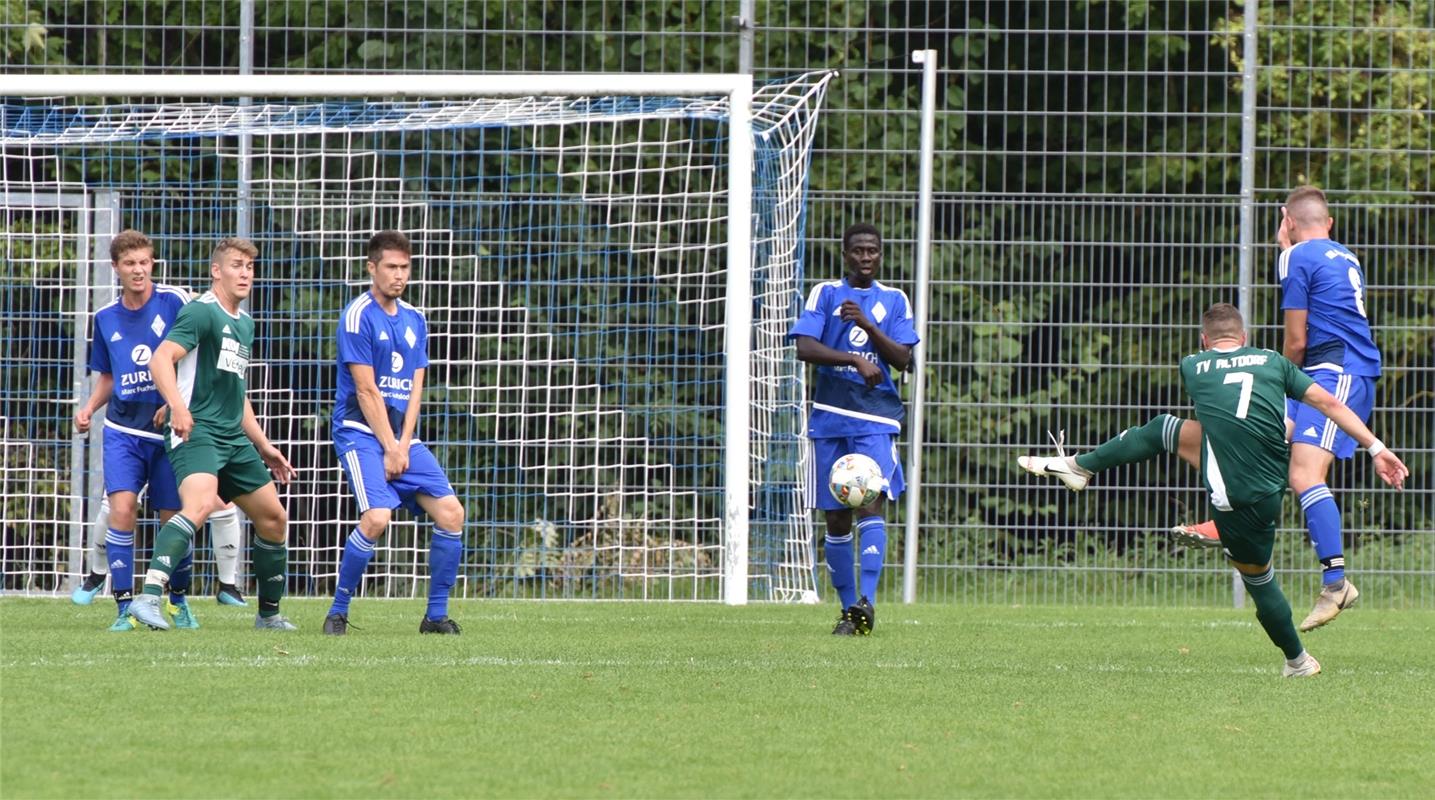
{"points": [[444, 625], [278, 622], [84, 594], [182, 616], [863, 616], [229, 595], [1058, 467], [844, 625], [1202, 534], [1333, 600], [124, 623], [1305, 666], [336, 625], [147, 610]]}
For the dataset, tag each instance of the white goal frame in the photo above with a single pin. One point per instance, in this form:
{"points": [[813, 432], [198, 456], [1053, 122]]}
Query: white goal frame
{"points": [[738, 306]]}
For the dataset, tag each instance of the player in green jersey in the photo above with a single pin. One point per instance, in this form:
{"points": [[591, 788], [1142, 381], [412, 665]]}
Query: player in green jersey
{"points": [[213, 439], [1239, 393]]}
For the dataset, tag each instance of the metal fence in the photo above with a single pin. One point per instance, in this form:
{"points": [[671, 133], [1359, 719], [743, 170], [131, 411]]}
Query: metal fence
{"points": [[1094, 164]]}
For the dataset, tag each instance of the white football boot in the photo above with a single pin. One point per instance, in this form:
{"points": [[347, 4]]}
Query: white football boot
{"points": [[1060, 467], [1302, 666], [1330, 603]]}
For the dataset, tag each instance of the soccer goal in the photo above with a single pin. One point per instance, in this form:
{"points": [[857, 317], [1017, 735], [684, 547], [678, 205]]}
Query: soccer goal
{"points": [[608, 263]]}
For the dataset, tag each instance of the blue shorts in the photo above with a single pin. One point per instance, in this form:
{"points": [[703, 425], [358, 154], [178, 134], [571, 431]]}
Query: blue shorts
{"points": [[1312, 427], [362, 458], [880, 447], [132, 461]]}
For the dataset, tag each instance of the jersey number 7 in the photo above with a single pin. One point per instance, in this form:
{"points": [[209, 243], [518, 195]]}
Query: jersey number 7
{"points": [[1246, 380]]}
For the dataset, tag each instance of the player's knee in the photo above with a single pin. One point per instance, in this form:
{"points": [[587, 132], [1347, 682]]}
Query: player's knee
{"points": [[450, 514], [839, 522], [124, 511], [272, 525], [373, 522], [1250, 569], [1308, 466]]}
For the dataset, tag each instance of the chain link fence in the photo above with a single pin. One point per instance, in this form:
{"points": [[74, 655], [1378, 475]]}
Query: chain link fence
{"points": [[1090, 187]]}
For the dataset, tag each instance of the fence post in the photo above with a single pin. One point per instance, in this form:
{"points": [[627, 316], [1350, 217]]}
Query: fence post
{"points": [[1248, 201], [920, 291], [244, 224]]}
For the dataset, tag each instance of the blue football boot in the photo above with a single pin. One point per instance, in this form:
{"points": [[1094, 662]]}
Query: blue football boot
{"points": [[183, 617], [229, 595], [84, 594]]}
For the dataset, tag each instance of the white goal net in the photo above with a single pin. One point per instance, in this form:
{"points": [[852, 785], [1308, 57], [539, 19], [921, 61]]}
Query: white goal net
{"points": [[574, 257]]}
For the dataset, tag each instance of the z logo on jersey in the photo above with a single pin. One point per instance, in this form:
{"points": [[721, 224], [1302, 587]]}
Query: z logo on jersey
{"points": [[141, 355]]}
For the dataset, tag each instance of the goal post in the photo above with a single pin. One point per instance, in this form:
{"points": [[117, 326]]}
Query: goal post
{"points": [[657, 190]]}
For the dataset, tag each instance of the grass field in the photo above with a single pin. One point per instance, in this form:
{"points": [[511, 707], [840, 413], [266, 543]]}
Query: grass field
{"points": [[655, 700]]}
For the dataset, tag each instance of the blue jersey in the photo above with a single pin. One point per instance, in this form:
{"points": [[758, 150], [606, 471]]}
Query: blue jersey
{"points": [[124, 342], [842, 404], [1324, 279], [394, 346]]}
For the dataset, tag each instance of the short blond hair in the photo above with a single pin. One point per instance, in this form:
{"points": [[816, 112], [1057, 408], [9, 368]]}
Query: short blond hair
{"points": [[233, 243]]}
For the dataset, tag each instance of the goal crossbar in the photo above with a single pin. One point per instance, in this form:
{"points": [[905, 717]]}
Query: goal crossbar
{"points": [[376, 86]]}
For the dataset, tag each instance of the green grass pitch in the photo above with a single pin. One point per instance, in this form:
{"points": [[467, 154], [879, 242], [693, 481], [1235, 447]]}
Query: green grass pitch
{"points": [[669, 700]]}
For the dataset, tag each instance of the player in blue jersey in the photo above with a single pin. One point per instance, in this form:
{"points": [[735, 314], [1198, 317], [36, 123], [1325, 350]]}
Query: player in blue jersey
{"points": [[1327, 333], [126, 334], [856, 330], [383, 355]]}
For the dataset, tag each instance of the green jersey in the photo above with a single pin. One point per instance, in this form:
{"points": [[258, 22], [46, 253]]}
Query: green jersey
{"points": [[211, 374], [1240, 402]]}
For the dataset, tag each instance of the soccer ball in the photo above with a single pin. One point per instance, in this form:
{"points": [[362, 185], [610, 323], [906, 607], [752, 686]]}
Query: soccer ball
{"points": [[856, 480]]}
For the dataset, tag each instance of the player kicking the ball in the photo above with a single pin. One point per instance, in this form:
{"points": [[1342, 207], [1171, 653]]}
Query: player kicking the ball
{"points": [[1240, 397], [1328, 335], [856, 330], [383, 354], [214, 442]]}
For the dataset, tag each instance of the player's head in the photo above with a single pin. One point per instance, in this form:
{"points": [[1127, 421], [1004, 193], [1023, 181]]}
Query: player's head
{"points": [[1307, 216], [862, 253], [232, 266], [389, 257], [1222, 323], [132, 255]]}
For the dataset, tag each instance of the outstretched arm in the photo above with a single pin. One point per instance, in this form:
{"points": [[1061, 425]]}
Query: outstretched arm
{"points": [[1387, 465]]}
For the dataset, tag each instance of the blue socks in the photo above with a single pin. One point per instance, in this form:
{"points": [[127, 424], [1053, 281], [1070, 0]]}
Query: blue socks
{"points": [[120, 552], [1322, 522], [872, 538], [445, 553], [871, 535], [358, 550], [839, 568]]}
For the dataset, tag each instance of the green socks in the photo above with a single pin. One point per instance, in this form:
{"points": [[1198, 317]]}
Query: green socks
{"points": [[1161, 435], [1273, 611], [171, 545], [271, 562]]}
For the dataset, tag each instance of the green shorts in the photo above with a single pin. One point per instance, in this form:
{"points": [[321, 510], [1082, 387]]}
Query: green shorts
{"points": [[1248, 534], [234, 461]]}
